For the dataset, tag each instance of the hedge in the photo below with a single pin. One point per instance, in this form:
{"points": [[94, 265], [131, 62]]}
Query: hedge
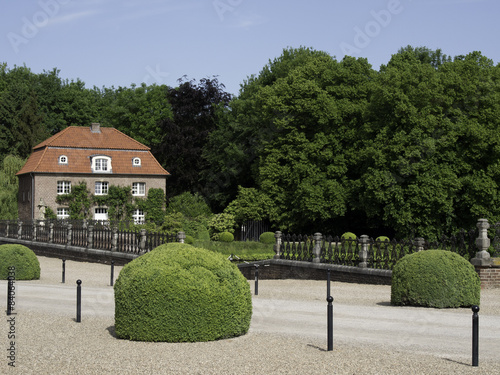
{"points": [[27, 266], [435, 278], [179, 293]]}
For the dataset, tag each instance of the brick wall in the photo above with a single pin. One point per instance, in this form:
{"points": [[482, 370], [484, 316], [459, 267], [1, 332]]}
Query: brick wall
{"points": [[490, 276]]}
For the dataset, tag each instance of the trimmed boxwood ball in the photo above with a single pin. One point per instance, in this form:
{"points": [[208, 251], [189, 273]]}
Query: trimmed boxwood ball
{"points": [[179, 293], [435, 278], [226, 237], [267, 237], [349, 236], [27, 266]]}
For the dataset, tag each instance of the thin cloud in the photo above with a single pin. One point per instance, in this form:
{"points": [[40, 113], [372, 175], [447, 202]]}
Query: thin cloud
{"points": [[71, 17]]}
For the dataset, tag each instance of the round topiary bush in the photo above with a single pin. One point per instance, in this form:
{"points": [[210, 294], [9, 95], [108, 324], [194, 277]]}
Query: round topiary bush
{"points": [[226, 237], [25, 263], [435, 278], [179, 293], [189, 239], [349, 236], [382, 239], [267, 237]]}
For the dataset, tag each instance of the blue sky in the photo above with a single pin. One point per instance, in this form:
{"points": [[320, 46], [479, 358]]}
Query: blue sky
{"points": [[120, 42]]}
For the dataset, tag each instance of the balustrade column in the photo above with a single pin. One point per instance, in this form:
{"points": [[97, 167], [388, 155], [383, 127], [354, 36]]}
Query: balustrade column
{"points": [[277, 245], [114, 240], [142, 243], [69, 235], [317, 247], [7, 229], [90, 237], [419, 243], [33, 230], [19, 229], [51, 232], [181, 237], [364, 240], [482, 257]]}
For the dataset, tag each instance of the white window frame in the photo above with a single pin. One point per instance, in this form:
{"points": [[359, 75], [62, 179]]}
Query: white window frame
{"points": [[138, 216], [63, 187], [138, 188], [100, 211], [101, 164], [101, 188], [136, 162], [62, 213], [63, 159]]}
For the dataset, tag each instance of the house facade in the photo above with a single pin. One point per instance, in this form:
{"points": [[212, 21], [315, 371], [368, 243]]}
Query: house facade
{"points": [[100, 157]]}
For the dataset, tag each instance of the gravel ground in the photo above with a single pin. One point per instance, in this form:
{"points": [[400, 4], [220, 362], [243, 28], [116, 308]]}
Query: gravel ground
{"points": [[49, 341]]}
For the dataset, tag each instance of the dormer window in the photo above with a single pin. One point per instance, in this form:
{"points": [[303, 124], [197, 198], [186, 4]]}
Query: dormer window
{"points": [[63, 159], [101, 164], [136, 162]]}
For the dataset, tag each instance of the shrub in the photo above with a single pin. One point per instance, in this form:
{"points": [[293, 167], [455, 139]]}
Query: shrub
{"points": [[189, 239], [221, 223], [435, 278], [349, 236], [267, 237], [179, 293], [226, 237], [22, 258], [382, 239]]}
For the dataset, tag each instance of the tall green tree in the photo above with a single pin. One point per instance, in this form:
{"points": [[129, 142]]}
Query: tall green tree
{"points": [[9, 186]]}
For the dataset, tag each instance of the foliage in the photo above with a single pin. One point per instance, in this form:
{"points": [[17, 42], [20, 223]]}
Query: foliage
{"points": [[193, 106], [382, 239], [154, 205], [9, 186], [250, 204], [179, 293], [49, 213], [226, 237], [78, 201], [119, 201], [267, 238], [221, 223], [190, 205], [240, 251], [172, 223], [435, 278], [22, 258], [189, 239]]}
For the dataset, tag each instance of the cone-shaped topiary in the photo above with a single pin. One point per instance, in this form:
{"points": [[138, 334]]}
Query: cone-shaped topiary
{"points": [[435, 278], [179, 293], [23, 259]]}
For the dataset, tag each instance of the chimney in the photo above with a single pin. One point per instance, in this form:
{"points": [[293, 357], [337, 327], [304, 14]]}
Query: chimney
{"points": [[95, 127]]}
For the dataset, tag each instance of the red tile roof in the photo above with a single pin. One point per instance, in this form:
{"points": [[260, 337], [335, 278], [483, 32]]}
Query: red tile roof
{"points": [[79, 145]]}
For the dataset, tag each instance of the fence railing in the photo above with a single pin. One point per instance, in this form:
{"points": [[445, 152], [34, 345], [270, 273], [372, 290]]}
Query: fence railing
{"points": [[88, 234], [367, 252]]}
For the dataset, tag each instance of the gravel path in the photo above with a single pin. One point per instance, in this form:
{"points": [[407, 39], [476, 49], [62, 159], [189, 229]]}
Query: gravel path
{"points": [[287, 334]]}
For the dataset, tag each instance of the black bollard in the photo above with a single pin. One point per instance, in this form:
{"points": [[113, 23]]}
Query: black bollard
{"points": [[256, 279], [475, 336], [10, 294], [79, 301], [330, 323], [63, 270], [328, 283], [112, 273]]}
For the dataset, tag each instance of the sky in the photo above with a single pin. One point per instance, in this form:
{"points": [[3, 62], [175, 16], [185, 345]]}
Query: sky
{"points": [[107, 43]]}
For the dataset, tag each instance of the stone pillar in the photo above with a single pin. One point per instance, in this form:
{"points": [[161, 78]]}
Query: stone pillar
{"points": [[317, 247], [482, 257], [70, 234], [33, 230], [51, 232], [181, 237], [114, 239], [7, 229], [277, 245], [364, 241], [19, 229], [419, 243], [142, 243], [90, 237]]}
